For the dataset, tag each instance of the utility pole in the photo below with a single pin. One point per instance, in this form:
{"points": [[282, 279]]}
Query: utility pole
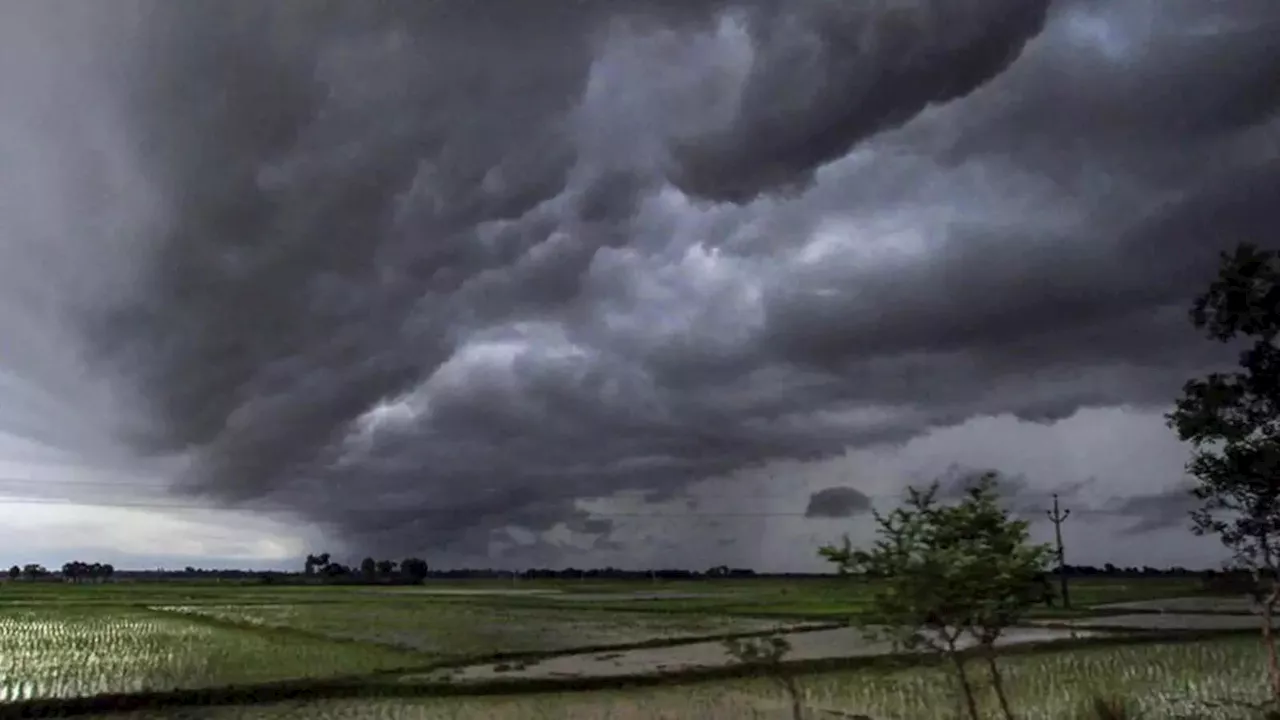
{"points": [[1058, 517]]}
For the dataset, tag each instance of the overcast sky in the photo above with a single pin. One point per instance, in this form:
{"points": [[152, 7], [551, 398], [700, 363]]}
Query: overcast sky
{"points": [[553, 283]]}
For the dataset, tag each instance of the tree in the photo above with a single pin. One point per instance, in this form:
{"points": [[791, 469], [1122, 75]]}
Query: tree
{"points": [[386, 568], [317, 564], [34, 570], [369, 569], [1008, 570], [768, 655], [414, 569], [15, 572], [942, 572], [335, 570], [1232, 420]]}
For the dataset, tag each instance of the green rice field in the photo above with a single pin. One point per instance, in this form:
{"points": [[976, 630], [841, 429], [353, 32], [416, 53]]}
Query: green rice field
{"points": [[142, 651], [62, 652], [1170, 680], [461, 630]]}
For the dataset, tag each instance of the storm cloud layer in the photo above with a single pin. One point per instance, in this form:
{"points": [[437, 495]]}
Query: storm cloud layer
{"points": [[418, 272]]}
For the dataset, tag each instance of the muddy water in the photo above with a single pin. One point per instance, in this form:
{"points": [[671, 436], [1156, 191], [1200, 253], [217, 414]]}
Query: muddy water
{"points": [[1163, 621], [814, 645]]}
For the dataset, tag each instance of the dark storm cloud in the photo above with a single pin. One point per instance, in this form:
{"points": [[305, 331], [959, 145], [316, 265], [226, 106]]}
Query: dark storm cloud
{"points": [[837, 502], [832, 74], [425, 272]]}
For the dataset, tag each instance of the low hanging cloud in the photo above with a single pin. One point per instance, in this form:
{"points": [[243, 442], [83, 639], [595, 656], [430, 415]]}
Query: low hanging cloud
{"points": [[837, 502], [1149, 512], [420, 272]]}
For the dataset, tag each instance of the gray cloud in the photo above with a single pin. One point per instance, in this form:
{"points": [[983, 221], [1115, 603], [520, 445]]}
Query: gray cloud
{"points": [[417, 272], [1150, 512], [837, 502]]}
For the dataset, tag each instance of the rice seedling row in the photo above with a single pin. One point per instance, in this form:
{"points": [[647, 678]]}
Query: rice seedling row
{"points": [[1160, 680], [63, 652]]}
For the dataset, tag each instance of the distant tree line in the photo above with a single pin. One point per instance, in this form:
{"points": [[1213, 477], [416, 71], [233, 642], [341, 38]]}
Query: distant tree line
{"points": [[75, 571], [322, 569], [410, 570], [1127, 571]]}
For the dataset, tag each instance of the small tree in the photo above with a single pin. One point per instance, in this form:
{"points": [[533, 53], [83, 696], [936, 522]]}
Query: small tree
{"points": [[1008, 570], [911, 602], [767, 655], [1232, 421], [386, 568], [369, 569], [942, 572], [15, 572]]}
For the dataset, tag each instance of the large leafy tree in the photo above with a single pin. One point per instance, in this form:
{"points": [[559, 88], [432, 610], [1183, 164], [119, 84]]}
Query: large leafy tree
{"points": [[943, 572], [1232, 420]]}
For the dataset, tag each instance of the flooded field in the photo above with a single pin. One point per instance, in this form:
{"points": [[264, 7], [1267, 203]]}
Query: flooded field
{"points": [[807, 645], [637, 596], [1162, 621], [464, 592], [458, 630], [1211, 605]]}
